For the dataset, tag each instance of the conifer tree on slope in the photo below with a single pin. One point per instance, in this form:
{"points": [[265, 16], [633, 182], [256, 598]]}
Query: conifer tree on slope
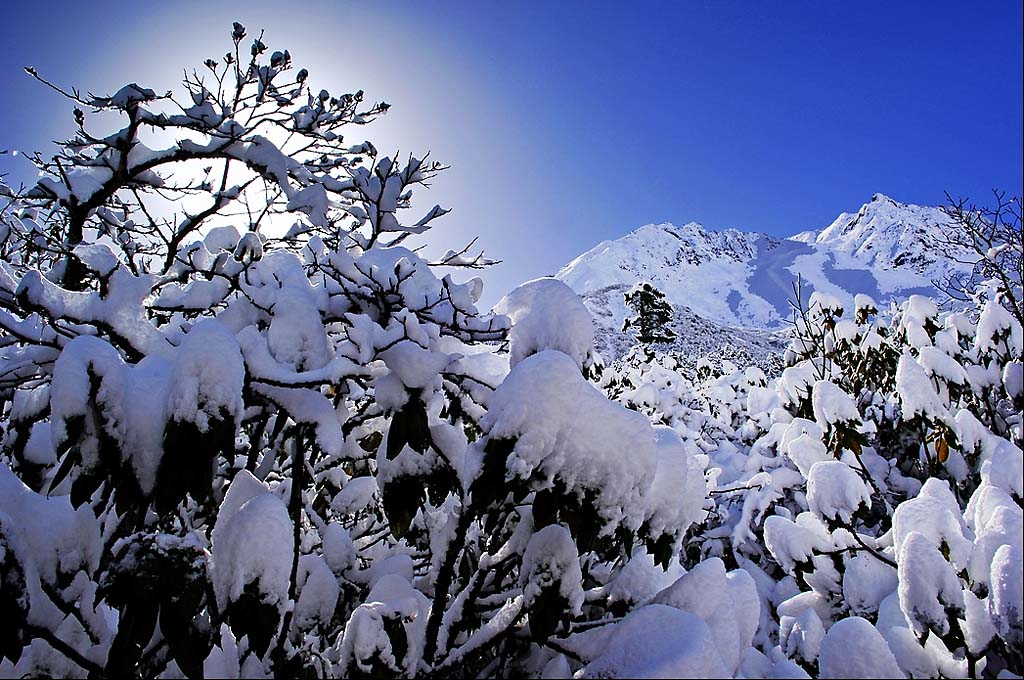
{"points": [[651, 314]]}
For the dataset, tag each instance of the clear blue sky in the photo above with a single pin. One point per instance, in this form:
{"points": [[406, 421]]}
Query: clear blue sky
{"points": [[569, 123]]}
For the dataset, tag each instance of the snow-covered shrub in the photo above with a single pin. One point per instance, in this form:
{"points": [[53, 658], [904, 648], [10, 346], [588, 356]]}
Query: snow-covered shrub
{"points": [[859, 494], [848, 486]]}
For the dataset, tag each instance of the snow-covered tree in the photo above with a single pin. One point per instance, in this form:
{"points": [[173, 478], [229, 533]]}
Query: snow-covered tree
{"points": [[210, 328], [246, 430], [652, 314]]}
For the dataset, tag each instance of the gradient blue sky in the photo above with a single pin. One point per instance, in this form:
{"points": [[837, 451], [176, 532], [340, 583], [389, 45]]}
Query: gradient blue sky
{"points": [[569, 123]]}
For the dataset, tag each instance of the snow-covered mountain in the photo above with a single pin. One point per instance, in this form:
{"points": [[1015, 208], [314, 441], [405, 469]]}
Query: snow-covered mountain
{"points": [[723, 281]]}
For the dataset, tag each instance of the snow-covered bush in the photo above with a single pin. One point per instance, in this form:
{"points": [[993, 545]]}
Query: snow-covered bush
{"points": [[849, 486], [858, 495]]}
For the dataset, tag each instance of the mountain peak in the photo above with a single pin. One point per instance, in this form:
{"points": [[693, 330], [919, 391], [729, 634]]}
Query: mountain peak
{"points": [[888, 235], [744, 279]]}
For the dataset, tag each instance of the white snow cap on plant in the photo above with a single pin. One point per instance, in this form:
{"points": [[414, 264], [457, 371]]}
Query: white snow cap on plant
{"points": [[866, 582], [208, 376], [865, 302], [726, 601], [934, 513], [821, 302], [1006, 603], [998, 331], [551, 558], [297, 336], [832, 405], [566, 428], [318, 592], [365, 637], [929, 586], [853, 648], [338, 548], [802, 636], [802, 443], [699, 591], [547, 314], [940, 365], [198, 381], [805, 451], [57, 538], [640, 578], [249, 248], [658, 641], [795, 383], [836, 491], [415, 367], [98, 257], [789, 543], [916, 391], [916, 312], [847, 330], [1005, 469], [134, 398], [356, 495], [677, 494], [252, 542], [1013, 378]]}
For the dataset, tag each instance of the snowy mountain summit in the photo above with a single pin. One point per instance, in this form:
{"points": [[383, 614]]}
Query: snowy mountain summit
{"points": [[743, 279]]}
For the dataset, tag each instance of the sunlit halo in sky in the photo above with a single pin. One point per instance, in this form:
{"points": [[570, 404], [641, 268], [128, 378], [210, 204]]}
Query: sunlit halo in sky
{"points": [[435, 104]]}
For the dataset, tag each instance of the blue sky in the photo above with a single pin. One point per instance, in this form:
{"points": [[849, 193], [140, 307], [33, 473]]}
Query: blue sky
{"points": [[569, 123]]}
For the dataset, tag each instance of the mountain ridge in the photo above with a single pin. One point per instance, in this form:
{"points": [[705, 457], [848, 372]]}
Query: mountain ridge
{"points": [[742, 280]]}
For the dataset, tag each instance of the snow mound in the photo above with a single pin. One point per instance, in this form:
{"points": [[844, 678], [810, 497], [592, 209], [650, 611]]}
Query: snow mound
{"points": [[547, 314]]}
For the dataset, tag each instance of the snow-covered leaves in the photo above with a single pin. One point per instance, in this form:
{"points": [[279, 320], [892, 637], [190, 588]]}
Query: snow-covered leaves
{"points": [[835, 491], [858, 477], [565, 430], [853, 648]]}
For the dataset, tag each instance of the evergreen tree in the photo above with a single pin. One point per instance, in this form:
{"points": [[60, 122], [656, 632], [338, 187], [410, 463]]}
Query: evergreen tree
{"points": [[651, 314]]}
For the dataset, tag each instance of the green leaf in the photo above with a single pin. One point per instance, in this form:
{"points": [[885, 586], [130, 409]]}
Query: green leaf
{"points": [[549, 609], [401, 498], [71, 458], [409, 426], [83, 488], [545, 509], [440, 483], [490, 482], [661, 551], [250, 615], [398, 435], [187, 646]]}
